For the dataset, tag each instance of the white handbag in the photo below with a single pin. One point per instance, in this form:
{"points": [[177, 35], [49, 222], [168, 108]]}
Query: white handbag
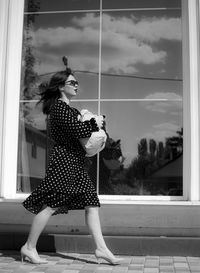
{"points": [[96, 142]]}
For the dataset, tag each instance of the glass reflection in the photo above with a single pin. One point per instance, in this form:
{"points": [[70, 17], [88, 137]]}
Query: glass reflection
{"points": [[32, 147], [144, 153], [60, 5], [113, 4], [141, 54], [35, 145], [49, 37], [141, 59]]}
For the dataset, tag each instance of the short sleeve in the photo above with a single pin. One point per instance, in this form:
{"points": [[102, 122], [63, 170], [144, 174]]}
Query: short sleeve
{"points": [[67, 119]]}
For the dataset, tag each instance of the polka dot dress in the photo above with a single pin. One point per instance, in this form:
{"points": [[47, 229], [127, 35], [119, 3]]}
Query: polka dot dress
{"points": [[66, 185]]}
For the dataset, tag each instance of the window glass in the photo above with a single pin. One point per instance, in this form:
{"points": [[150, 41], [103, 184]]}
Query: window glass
{"points": [[49, 37], [135, 80], [32, 147], [143, 155], [60, 5], [118, 4], [139, 49]]}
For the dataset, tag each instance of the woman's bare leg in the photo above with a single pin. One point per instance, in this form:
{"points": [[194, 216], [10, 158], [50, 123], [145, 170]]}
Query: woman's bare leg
{"points": [[38, 224], [94, 226], [29, 248], [93, 222]]}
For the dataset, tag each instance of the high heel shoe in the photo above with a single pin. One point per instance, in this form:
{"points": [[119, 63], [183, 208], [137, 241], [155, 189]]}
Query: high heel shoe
{"points": [[32, 255], [102, 255]]}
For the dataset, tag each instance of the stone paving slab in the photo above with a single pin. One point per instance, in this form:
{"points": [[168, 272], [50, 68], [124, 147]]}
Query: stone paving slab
{"points": [[86, 263]]}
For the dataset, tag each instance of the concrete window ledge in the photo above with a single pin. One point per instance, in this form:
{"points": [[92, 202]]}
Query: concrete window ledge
{"points": [[139, 219], [121, 245], [142, 228]]}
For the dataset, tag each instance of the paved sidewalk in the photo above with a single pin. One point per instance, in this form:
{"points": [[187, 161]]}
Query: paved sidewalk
{"points": [[86, 263]]}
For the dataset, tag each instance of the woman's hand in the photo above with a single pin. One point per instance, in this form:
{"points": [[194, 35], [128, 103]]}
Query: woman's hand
{"points": [[100, 121]]}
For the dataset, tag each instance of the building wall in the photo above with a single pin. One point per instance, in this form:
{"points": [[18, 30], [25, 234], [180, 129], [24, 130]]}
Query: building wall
{"points": [[119, 217]]}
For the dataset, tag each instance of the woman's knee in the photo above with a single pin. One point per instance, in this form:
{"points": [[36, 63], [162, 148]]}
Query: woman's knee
{"points": [[50, 210], [90, 209]]}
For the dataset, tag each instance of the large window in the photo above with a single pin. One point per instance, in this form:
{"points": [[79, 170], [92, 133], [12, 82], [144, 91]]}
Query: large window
{"points": [[127, 56]]}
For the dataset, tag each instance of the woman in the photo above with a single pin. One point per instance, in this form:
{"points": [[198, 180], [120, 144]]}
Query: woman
{"points": [[66, 185]]}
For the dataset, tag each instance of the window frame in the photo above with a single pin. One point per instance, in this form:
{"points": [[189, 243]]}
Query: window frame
{"points": [[9, 143], [4, 7], [11, 99], [194, 83]]}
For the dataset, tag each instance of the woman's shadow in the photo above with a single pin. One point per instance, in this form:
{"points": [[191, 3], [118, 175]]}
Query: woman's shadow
{"points": [[11, 256]]}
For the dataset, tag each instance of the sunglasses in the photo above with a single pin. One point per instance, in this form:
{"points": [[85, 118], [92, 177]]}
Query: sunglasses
{"points": [[72, 83]]}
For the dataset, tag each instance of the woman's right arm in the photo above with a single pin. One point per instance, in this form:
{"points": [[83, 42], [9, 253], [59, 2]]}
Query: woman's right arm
{"points": [[69, 122]]}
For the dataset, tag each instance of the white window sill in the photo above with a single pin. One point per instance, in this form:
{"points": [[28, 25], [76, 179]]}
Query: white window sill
{"points": [[125, 202]]}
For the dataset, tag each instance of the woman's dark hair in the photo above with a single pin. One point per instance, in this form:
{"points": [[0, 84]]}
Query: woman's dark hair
{"points": [[50, 92]]}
